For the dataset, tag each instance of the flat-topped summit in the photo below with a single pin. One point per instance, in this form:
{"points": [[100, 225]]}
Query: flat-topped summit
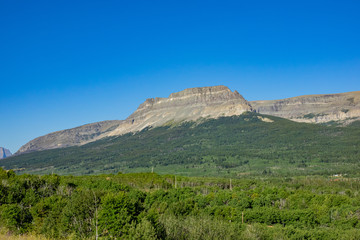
{"points": [[187, 105], [203, 91], [193, 98]]}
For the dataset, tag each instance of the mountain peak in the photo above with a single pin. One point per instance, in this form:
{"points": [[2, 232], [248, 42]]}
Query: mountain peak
{"points": [[193, 98], [200, 90], [4, 153], [187, 105], [206, 95]]}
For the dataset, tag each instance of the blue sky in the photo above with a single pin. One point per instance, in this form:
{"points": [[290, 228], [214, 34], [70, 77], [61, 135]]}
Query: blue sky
{"points": [[68, 63]]}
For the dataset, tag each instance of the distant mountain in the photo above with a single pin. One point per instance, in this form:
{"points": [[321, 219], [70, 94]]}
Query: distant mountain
{"points": [[187, 105], [205, 103], [342, 108], [70, 137], [4, 153]]}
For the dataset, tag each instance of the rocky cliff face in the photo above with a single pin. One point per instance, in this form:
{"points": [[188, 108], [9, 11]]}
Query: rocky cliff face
{"points": [[4, 153], [188, 105], [70, 137], [343, 107]]}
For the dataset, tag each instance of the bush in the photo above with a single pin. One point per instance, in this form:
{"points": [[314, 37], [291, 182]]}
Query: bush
{"points": [[15, 218], [117, 214]]}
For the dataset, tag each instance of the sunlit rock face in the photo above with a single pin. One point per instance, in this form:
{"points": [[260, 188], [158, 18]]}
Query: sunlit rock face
{"points": [[343, 107], [188, 105]]}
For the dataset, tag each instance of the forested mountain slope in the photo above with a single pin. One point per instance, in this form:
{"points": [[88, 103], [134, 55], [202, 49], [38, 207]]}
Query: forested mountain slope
{"points": [[249, 144]]}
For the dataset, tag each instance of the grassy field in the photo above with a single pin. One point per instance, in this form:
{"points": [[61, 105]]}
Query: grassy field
{"points": [[5, 234]]}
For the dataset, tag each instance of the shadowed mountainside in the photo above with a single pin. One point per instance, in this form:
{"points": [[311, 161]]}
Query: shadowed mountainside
{"points": [[4, 153]]}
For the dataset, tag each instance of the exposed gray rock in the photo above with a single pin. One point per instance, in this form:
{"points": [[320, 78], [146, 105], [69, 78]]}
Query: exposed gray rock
{"points": [[4, 153], [190, 104], [344, 107], [70, 137]]}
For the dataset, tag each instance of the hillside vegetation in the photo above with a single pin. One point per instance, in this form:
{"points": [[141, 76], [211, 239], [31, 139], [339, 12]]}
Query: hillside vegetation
{"points": [[228, 146]]}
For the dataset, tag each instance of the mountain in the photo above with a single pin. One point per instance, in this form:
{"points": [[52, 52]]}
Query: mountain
{"points": [[248, 144], [342, 108], [4, 153], [70, 137], [205, 103], [187, 105]]}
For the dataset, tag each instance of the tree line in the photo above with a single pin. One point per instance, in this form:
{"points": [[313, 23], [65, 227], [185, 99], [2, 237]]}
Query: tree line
{"points": [[152, 206]]}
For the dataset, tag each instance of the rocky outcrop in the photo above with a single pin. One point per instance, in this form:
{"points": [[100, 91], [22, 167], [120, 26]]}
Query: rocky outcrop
{"points": [[70, 137], [343, 107], [188, 105], [4, 153]]}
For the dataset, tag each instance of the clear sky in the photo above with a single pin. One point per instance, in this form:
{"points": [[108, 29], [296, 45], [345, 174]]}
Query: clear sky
{"points": [[68, 63]]}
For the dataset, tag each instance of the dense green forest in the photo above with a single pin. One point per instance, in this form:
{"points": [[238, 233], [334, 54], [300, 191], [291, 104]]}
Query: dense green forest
{"points": [[152, 206], [236, 146]]}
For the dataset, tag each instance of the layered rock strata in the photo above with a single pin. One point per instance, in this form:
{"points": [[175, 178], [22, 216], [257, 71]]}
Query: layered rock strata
{"points": [[343, 107], [188, 105]]}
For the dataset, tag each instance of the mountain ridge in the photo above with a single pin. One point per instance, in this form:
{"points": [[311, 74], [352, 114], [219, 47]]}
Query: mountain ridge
{"points": [[69, 137], [317, 108], [205, 102], [187, 105]]}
